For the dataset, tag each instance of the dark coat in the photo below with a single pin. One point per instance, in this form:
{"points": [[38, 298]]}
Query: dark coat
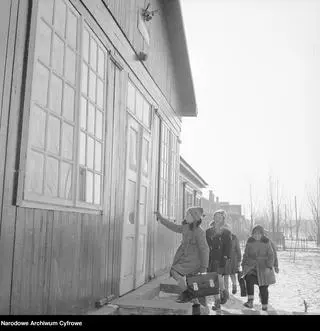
{"points": [[259, 255], [220, 248], [276, 264], [232, 265], [193, 253]]}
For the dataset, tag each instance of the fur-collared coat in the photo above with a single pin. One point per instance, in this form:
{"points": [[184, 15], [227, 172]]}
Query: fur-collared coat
{"points": [[220, 247], [259, 255], [233, 264], [192, 255]]}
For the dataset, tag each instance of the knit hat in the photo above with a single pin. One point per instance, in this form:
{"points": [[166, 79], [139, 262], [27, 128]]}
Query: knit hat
{"points": [[221, 212], [258, 228], [196, 213]]}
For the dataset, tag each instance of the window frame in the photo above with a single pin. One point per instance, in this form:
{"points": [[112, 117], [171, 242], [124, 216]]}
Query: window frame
{"points": [[41, 201], [171, 196]]}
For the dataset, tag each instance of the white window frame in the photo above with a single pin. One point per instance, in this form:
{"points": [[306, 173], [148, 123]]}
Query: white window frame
{"points": [[40, 201]]}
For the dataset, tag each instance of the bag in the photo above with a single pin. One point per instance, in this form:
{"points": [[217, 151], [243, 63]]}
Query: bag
{"points": [[242, 284], [202, 285]]}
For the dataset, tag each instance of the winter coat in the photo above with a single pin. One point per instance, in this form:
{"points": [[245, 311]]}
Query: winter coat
{"points": [[220, 248], [192, 255], [259, 256], [276, 265], [232, 265]]}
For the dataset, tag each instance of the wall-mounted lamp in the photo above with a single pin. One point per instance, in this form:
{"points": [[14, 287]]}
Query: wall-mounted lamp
{"points": [[148, 14], [142, 56]]}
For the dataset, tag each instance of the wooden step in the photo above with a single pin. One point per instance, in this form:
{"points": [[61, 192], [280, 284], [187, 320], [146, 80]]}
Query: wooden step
{"points": [[152, 307]]}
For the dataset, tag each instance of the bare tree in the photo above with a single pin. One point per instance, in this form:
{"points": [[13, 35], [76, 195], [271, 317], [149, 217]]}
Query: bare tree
{"points": [[272, 204], [314, 205]]}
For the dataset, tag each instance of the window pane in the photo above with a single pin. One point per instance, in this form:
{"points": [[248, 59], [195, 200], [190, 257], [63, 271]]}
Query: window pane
{"points": [[97, 189], [93, 54], [143, 205], [70, 65], [131, 97], [91, 118], [97, 157], [72, 29], [83, 119], [145, 149], [53, 139], [89, 187], [37, 127], [82, 184], [90, 152], [56, 94], [67, 141], [85, 45], [132, 201], [133, 149], [46, 10], [34, 175], [84, 79], [92, 86], [57, 54], [99, 124], [60, 16], [40, 84], [51, 179], [139, 105], [65, 181], [43, 43], [68, 102], [146, 114], [100, 93], [101, 63], [82, 148]]}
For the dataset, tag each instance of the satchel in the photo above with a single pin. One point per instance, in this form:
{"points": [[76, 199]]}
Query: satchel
{"points": [[202, 285], [242, 284]]}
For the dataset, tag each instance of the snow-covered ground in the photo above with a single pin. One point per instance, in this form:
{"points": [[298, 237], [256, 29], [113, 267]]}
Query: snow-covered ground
{"points": [[297, 281]]}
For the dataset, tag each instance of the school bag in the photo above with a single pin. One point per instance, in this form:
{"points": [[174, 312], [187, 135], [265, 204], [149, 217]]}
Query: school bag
{"points": [[202, 285]]}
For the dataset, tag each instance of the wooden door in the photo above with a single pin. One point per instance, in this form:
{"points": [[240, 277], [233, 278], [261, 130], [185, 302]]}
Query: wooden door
{"points": [[134, 240], [144, 186]]}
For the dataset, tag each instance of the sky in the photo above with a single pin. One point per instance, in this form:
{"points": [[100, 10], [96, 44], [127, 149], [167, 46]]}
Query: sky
{"points": [[256, 72]]}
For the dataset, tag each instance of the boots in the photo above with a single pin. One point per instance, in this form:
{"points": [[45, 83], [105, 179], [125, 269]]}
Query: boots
{"points": [[224, 296], [234, 289], [185, 296], [217, 304], [249, 303], [264, 307]]}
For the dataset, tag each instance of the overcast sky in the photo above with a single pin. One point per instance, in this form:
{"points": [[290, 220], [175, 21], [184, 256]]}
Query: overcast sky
{"points": [[256, 72]]}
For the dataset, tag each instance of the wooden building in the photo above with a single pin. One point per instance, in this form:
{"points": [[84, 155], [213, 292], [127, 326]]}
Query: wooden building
{"points": [[191, 185], [91, 98]]}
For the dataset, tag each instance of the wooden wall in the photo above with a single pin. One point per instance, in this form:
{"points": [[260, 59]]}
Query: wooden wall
{"points": [[160, 61], [58, 262]]}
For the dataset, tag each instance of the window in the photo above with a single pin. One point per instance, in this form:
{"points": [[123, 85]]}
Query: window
{"points": [[164, 171], [67, 110], [173, 176], [168, 173], [138, 105]]}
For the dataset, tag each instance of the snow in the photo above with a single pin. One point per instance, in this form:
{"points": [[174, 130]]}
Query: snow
{"points": [[298, 280]]}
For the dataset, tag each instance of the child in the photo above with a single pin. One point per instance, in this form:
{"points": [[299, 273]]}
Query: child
{"points": [[257, 266], [192, 255], [219, 241], [233, 265]]}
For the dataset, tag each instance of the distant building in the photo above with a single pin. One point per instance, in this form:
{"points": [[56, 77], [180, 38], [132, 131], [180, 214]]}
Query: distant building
{"points": [[234, 213], [190, 186]]}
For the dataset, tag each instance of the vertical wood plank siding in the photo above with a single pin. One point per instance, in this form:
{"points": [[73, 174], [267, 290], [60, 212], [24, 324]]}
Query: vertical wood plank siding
{"points": [[59, 262], [159, 61]]}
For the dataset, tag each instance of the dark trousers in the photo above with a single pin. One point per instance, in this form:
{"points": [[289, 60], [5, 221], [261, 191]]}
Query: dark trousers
{"points": [[252, 280]]}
